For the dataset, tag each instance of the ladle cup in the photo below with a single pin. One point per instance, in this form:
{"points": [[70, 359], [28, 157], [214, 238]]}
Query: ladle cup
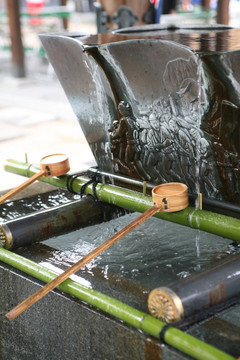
{"points": [[50, 165], [167, 197]]}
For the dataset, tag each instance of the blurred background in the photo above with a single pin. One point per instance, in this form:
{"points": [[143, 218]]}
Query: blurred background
{"points": [[35, 117]]}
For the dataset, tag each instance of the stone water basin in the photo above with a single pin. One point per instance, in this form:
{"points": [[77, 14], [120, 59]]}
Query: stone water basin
{"points": [[155, 254]]}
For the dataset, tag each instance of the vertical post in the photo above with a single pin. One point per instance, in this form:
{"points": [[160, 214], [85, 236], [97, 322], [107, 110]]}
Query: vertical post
{"points": [[223, 12], [64, 20], [205, 4], [16, 38]]}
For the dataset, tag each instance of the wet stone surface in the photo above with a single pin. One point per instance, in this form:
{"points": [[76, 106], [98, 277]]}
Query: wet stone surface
{"points": [[169, 114]]}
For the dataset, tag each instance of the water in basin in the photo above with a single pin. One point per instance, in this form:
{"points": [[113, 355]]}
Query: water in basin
{"points": [[154, 254]]}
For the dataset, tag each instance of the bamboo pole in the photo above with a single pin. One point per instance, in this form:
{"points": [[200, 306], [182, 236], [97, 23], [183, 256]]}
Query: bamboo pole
{"points": [[221, 225], [138, 319], [197, 292], [58, 220]]}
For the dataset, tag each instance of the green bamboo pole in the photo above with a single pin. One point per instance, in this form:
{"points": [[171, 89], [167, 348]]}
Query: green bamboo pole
{"points": [[138, 319], [224, 226]]}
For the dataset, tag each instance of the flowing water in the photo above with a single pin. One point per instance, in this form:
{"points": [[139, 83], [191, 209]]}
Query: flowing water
{"points": [[154, 254]]}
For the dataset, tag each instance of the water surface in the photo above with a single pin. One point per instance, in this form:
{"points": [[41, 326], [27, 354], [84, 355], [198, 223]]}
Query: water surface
{"points": [[154, 254]]}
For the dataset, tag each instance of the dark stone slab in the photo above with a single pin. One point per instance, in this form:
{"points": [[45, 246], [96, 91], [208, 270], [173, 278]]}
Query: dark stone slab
{"points": [[61, 327]]}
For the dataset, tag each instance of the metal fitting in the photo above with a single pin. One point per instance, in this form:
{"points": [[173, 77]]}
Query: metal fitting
{"points": [[6, 238], [165, 305]]}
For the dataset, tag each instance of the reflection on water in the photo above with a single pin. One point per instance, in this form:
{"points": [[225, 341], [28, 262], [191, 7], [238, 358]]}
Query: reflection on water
{"points": [[14, 209], [154, 254]]}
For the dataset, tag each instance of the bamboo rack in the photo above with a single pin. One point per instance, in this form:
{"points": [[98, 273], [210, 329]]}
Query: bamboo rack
{"points": [[221, 225], [24, 305], [167, 197], [186, 343]]}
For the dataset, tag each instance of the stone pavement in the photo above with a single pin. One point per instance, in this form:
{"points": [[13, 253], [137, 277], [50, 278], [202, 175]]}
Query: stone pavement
{"points": [[35, 116]]}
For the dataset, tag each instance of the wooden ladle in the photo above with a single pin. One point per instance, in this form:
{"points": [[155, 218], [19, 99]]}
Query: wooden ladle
{"points": [[167, 198], [50, 165]]}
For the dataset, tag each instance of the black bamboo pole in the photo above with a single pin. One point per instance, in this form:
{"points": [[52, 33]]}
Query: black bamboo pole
{"points": [[196, 293], [47, 223]]}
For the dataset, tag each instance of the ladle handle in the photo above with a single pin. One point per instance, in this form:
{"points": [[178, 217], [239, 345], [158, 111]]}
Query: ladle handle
{"points": [[12, 314], [17, 189]]}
